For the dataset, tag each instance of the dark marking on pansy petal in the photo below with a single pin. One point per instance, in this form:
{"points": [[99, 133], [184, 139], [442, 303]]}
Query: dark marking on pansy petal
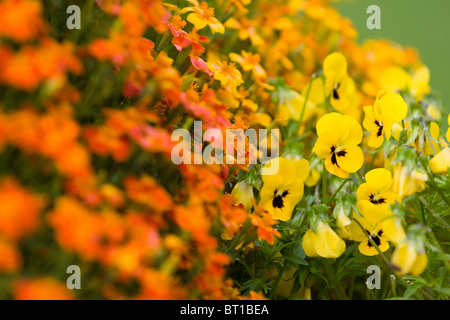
{"points": [[376, 201], [380, 128]]}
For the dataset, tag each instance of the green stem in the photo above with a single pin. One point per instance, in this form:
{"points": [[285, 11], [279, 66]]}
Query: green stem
{"points": [[277, 280], [336, 287], [427, 133], [338, 189], [437, 217], [306, 100], [431, 182]]}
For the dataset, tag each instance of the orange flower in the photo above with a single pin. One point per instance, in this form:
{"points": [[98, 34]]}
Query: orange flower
{"points": [[264, 226], [21, 19], [146, 190], [19, 210], [156, 285], [10, 258], [48, 61], [42, 288]]}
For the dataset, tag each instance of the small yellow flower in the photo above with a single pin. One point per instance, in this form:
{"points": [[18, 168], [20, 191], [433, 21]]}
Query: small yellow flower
{"points": [[291, 108], [395, 79], [389, 108], [407, 181], [338, 84], [243, 193], [410, 257], [381, 225], [376, 190], [325, 243], [283, 190], [203, 16], [339, 136], [441, 162], [227, 74], [343, 222]]}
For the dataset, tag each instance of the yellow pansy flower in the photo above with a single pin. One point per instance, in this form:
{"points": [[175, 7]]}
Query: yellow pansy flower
{"points": [[389, 108], [376, 190], [441, 162], [283, 190], [335, 70], [395, 79], [337, 143], [324, 243], [381, 225], [407, 181], [410, 257], [338, 85], [243, 194], [291, 108]]}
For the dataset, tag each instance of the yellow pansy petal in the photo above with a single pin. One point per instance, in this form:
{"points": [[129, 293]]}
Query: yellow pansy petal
{"points": [[375, 141], [243, 192], [419, 265], [308, 244], [325, 243], [323, 145], [381, 178], [335, 66], [365, 190], [350, 158], [334, 122], [393, 229], [302, 167], [334, 169], [394, 79], [366, 248], [369, 119], [355, 133], [295, 191], [393, 107], [404, 257], [313, 178], [441, 161]]}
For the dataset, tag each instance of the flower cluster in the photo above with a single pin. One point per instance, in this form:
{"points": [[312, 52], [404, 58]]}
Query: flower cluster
{"points": [[87, 178]]}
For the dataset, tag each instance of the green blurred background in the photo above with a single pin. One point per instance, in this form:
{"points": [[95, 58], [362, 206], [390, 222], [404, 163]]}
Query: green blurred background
{"points": [[422, 24]]}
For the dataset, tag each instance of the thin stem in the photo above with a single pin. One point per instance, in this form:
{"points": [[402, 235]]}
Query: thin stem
{"points": [[277, 280], [437, 217], [306, 100], [431, 182], [338, 189], [330, 275], [427, 133]]}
